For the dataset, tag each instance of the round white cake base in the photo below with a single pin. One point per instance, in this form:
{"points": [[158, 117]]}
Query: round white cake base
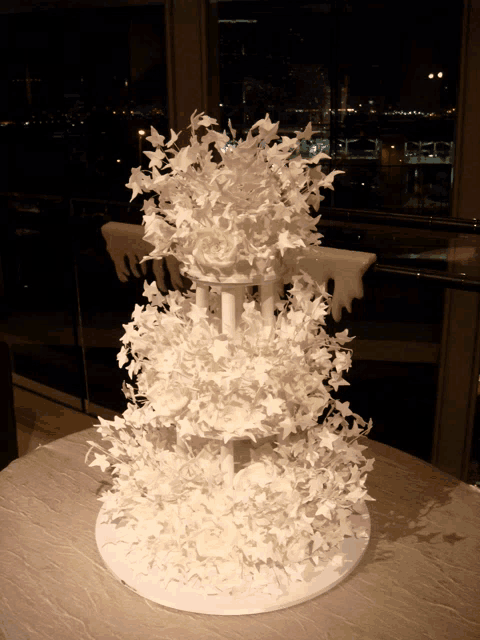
{"points": [[147, 585]]}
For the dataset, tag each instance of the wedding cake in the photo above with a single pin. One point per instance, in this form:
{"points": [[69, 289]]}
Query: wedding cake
{"points": [[236, 477]]}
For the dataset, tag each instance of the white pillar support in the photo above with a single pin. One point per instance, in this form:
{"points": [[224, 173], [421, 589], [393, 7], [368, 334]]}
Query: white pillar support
{"points": [[227, 463], [232, 301], [201, 295], [267, 300], [232, 307]]}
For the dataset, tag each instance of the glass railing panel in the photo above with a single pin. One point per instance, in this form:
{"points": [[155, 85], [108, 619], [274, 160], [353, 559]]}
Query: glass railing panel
{"points": [[106, 302], [84, 86], [39, 305], [474, 463], [398, 329]]}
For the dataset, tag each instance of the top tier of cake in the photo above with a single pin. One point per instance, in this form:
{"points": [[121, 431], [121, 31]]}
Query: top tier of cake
{"points": [[231, 220]]}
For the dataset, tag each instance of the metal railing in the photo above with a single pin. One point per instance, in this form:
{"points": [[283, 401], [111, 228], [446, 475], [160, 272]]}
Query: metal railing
{"points": [[407, 220], [386, 219]]}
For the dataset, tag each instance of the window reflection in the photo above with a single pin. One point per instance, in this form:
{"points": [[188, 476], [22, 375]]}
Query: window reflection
{"points": [[378, 81]]}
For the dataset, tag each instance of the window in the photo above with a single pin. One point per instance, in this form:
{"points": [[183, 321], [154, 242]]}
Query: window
{"points": [[367, 74], [378, 81]]}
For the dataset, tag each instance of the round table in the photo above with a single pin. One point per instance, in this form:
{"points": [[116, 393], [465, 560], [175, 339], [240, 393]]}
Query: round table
{"points": [[419, 577]]}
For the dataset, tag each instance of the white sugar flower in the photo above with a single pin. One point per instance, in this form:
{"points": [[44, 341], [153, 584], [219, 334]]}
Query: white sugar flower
{"points": [[216, 540], [253, 474], [214, 248], [235, 419], [170, 401], [298, 550], [249, 208]]}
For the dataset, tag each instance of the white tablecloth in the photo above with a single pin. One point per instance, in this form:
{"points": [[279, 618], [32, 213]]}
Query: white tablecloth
{"points": [[420, 576]]}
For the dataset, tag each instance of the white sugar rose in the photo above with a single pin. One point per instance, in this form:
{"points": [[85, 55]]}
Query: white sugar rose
{"points": [[170, 402], [216, 541], [254, 474], [237, 420], [231, 420], [298, 550], [214, 248], [159, 233]]}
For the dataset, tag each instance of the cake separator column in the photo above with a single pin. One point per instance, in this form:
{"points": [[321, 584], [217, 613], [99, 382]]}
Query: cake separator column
{"points": [[232, 305], [201, 295], [268, 294]]}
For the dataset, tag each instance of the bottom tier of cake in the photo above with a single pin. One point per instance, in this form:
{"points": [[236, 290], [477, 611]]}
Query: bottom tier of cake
{"points": [[272, 587]]}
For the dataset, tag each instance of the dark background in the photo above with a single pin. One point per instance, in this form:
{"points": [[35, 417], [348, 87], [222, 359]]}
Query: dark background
{"points": [[77, 85]]}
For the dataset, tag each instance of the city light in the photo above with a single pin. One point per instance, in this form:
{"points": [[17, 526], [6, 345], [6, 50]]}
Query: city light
{"points": [[319, 113], [141, 132]]}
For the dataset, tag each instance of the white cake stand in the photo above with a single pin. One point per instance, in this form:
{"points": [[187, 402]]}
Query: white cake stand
{"points": [[113, 552]]}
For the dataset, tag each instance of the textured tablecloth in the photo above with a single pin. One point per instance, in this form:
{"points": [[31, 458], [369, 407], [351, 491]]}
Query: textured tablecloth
{"points": [[419, 578]]}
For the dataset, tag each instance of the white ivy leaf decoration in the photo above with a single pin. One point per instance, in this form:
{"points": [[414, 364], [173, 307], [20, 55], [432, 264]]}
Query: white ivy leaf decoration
{"points": [[101, 461], [258, 190]]}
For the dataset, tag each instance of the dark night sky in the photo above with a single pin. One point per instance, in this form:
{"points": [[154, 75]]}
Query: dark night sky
{"points": [[378, 44], [394, 36]]}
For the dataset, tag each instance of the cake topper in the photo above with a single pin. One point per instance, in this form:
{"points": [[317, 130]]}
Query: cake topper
{"points": [[235, 218]]}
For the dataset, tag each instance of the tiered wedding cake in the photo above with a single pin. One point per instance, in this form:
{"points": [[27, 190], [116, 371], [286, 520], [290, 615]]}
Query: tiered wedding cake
{"points": [[238, 484]]}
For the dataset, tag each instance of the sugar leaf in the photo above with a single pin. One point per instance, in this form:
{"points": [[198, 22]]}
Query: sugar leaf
{"points": [[100, 461], [327, 439], [155, 139], [135, 182], [173, 138], [219, 349], [273, 405]]}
